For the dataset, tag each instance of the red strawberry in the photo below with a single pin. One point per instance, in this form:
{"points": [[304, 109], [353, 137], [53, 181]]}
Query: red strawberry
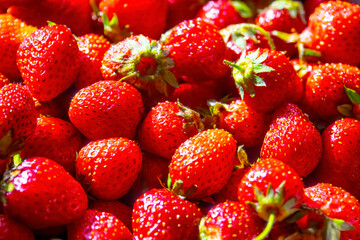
{"points": [[28, 197], [222, 13], [49, 61], [146, 17], [204, 161], [98, 225], [92, 49], [166, 126], [341, 155], [10, 229], [293, 139], [180, 10], [334, 30], [160, 214], [17, 119], [107, 168], [107, 109], [231, 220], [198, 50], [12, 32], [55, 139]]}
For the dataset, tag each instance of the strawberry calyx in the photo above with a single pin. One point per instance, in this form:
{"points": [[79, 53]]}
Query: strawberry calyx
{"points": [[6, 184], [112, 29], [295, 8], [242, 8], [245, 71], [349, 110], [178, 188], [191, 117], [9, 146], [242, 157]]}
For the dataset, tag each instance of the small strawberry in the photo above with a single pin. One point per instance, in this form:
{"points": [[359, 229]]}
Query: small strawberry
{"points": [[107, 109], [231, 220], [160, 214], [92, 49], [107, 168], [340, 161], [204, 161], [98, 225], [49, 61], [293, 139], [40, 193], [11, 229], [55, 139]]}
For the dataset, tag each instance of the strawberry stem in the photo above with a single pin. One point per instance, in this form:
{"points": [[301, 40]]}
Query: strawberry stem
{"points": [[17, 160], [269, 226]]}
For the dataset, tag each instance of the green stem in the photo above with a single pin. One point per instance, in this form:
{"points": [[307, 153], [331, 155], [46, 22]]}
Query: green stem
{"points": [[269, 226], [17, 160], [262, 31], [234, 65]]}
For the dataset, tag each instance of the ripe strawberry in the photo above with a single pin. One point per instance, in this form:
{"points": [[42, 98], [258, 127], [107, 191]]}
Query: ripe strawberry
{"points": [[92, 49], [198, 50], [10, 229], [335, 203], [180, 10], [285, 17], [223, 13], [107, 109], [49, 61], [211, 151], [12, 32], [17, 120], [246, 125], [107, 168], [142, 62], [55, 139], [265, 79], [166, 126], [160, 214], [98, 225], [293, 139], [231, 220], [341, 155], [146, 17], [333, 31], [28, 198]]}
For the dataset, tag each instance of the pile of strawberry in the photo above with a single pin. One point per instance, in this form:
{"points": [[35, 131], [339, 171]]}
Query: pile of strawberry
{"points": [[179, 119]]}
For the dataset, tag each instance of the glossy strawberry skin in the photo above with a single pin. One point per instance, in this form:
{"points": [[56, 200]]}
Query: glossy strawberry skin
{"points": [[107, 168], [167, 215], [98, 225], [116, 115], [340, 160], [211, 151], [49, 61], [34, 203], [10, 229]]}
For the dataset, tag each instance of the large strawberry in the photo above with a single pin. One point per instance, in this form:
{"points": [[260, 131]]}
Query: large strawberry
{"points": [[107, 168], [49, 61], [160, 214], [204, 161], [11, 229], [293, 139], [107, 109], [40, 193], [340, 161]]}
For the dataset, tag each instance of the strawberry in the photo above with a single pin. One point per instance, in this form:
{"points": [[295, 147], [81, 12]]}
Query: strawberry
{"points": [[198, 50], [246, 125], [12, 32], [231, 220], [10, 229], [92, 49], [18, 118], [285, 17], [341, 155], [28, 198], [107, 168], [48, 61], [160, 214], [180, 10], [107, 109], [333, 31], [293, 139], [98, 225], [166, 126], [224, 12], [265, 79], [55, 139], [146, 17], [211, 151], [335, 203]]}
